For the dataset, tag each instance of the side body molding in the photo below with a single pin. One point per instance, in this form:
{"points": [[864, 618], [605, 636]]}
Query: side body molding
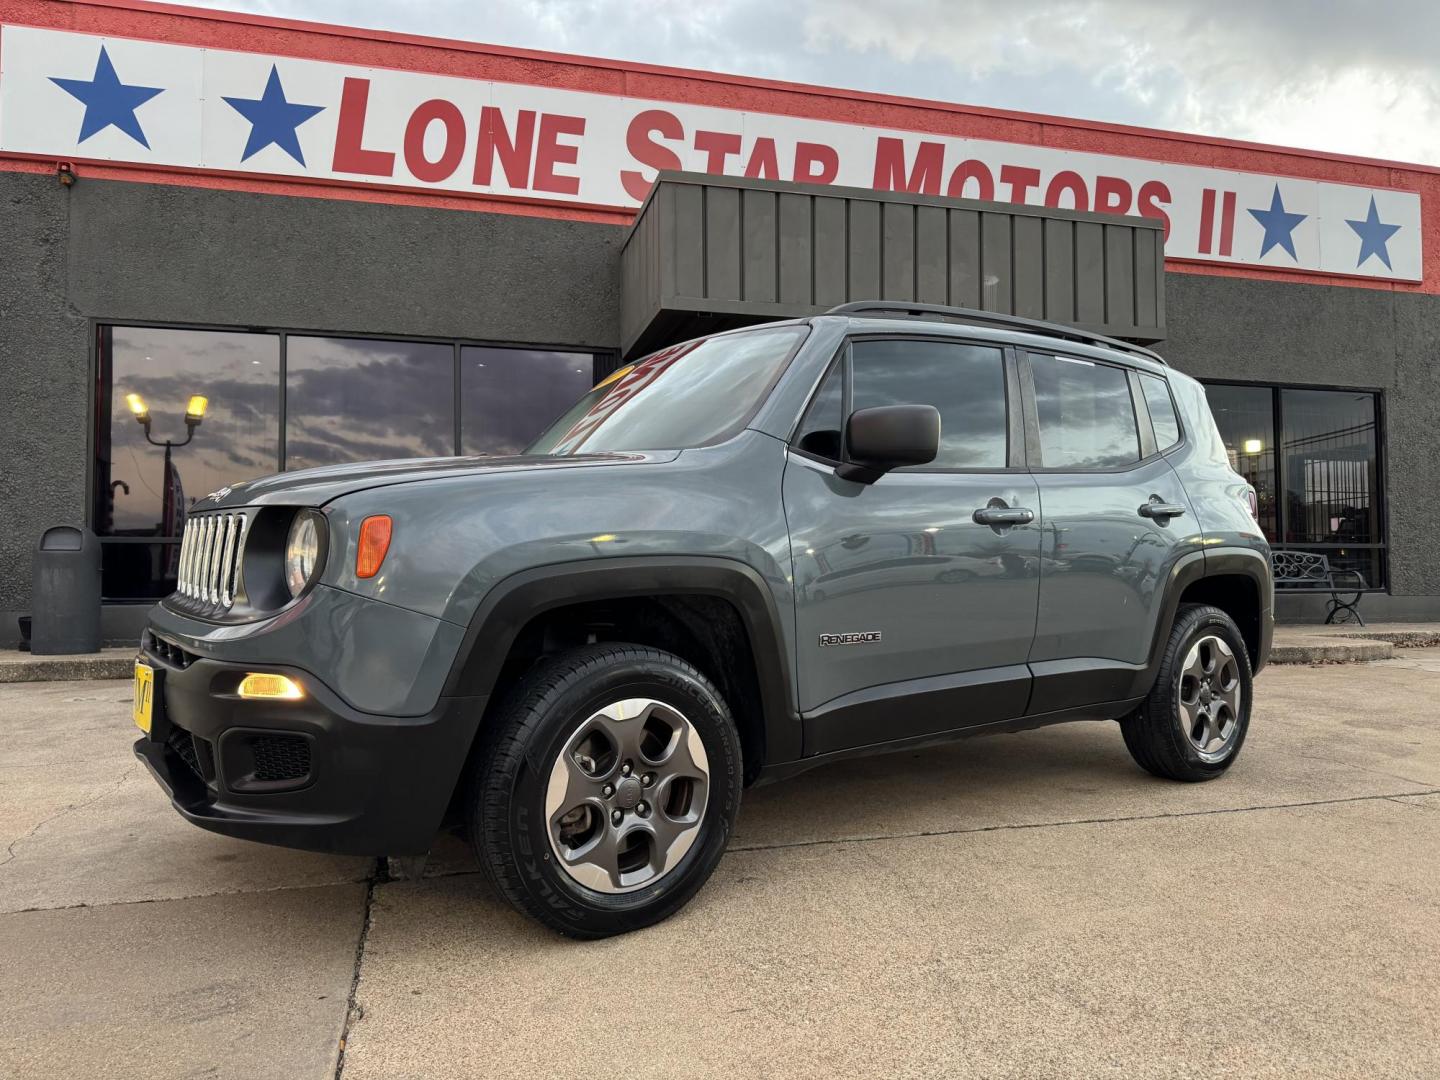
{"points": [[1090, 689], [516, 600]]}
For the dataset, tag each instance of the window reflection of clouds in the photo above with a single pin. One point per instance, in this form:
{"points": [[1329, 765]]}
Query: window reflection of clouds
{"points": [[509, 396], [353, 400], [966, 383], [1162, 411], [699, 395], [1087, 420], [239, 438]]}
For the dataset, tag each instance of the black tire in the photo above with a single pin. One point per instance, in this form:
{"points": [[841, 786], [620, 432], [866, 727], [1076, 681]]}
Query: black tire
{"points": [[1156, 733], [523, 741]]}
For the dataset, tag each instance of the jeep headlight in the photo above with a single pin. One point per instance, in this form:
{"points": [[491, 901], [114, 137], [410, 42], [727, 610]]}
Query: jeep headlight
{"points": [[303, 550]]}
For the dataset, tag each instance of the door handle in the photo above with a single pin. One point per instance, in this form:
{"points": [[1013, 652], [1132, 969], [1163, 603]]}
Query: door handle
{"points": [[1003, 515], [1160, 511]]}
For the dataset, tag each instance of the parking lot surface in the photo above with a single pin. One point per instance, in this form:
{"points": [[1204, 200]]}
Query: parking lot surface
{"points": [[1015, 906]]}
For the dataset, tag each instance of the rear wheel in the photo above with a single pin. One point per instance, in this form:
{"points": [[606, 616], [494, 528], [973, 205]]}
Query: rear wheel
{"points": [[606, 790], [1193, 723]]}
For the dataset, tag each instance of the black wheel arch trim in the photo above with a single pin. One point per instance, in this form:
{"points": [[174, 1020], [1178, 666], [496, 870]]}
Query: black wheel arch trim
{"points": [[514, 601], [1196, 566]]}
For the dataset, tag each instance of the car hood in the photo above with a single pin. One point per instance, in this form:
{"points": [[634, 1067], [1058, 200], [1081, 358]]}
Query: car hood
{"points": [[315, 487]]}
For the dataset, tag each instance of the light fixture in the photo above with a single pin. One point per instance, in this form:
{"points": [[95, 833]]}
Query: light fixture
{"points": [[271, 687], [1253, 446], [375, 532], [195, 409], [138, 407]]}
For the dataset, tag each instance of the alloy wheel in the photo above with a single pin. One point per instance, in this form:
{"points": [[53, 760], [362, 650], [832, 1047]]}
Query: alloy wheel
{"points": [[1209, 698], [626, 795]]}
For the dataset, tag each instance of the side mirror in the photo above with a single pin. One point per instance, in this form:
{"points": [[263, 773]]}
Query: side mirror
{"points": [[887, 437]]}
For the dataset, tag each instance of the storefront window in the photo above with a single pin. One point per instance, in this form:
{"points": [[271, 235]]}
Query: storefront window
{"points": [[509, 396], [1245, 416], [153, 461], [1313, 458], [1330, 469], [344, 399], [350, 399]]}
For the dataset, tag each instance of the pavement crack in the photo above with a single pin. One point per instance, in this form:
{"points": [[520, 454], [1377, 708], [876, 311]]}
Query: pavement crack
{"points": [[353, 1010], [291, 887], [72, 808], [1017, 826], [1401, 800]]}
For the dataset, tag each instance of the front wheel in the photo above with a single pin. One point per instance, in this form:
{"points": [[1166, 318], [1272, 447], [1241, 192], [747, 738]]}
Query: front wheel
{"points": [[606, 789], [1193, 723]]}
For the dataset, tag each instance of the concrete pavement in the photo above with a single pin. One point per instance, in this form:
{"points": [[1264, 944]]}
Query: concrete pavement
{"points": [[1023, 905]]}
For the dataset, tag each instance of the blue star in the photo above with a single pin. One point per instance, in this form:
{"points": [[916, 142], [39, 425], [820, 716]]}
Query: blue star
{"points": [[273, 120], [1278, 225], [1374, 234], [108, 101]]}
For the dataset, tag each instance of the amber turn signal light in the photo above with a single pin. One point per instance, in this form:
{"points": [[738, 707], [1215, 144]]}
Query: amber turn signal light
{"points": [[374, 543]]}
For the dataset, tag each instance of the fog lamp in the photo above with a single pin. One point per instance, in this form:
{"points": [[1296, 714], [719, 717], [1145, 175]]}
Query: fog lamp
{"points": [[261, 685]]}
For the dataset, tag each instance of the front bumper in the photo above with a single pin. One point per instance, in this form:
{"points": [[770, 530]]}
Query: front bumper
{"points": [[314, 773]]}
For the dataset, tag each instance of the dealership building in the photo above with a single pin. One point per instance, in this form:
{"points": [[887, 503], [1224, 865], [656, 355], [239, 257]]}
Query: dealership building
{"points": [[234, 245]]}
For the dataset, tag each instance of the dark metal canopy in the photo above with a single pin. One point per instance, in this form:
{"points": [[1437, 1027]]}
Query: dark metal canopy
{"points": [[708, 253]]}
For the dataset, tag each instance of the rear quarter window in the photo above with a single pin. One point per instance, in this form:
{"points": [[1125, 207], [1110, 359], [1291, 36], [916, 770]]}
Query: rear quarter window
{"points": [[1162, 411]]}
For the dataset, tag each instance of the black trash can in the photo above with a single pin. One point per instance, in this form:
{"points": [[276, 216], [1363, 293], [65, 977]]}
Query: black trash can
{"points": [[65, 594]]}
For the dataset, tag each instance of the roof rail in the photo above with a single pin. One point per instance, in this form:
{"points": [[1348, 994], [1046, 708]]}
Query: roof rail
{"points": [[895, 308]]}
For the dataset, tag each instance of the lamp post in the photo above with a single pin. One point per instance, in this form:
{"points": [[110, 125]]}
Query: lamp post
{"points": [[194, 413], [170, 522]]}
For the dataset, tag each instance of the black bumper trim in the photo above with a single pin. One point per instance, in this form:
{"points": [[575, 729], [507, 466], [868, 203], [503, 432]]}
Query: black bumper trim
{"points": [[380, 785]]}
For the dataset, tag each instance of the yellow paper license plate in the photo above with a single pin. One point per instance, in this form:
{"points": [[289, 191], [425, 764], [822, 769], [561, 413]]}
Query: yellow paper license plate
{"points": [[144, 696]]}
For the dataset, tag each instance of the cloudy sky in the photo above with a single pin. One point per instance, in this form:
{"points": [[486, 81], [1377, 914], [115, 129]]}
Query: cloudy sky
{"points": [[1353, 76]]}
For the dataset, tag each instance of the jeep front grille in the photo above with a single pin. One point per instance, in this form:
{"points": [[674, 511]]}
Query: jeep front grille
{"points": [[212, 551]]}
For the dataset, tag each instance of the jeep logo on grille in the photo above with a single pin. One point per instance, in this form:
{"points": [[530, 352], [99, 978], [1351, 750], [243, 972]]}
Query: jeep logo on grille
{"points": [[864, 637]]}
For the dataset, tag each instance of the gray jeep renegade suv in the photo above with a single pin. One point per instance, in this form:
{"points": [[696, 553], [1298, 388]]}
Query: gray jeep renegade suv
{"points": [[740, 557]]}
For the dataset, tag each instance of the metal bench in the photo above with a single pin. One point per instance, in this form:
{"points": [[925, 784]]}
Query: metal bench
{"points": [[1309, 571]]}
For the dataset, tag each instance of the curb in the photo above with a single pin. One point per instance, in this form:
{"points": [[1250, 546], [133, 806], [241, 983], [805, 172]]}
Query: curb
{"points": [[1330, 650], [25, 667]]}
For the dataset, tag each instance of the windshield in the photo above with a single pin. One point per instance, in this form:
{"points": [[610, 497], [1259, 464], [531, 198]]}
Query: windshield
{"points": [[687, 395]]}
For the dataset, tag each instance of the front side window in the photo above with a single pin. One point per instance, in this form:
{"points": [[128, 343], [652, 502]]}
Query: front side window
{"points": [[1087, 420], [820, 430], [965, 383], [688, 395]]}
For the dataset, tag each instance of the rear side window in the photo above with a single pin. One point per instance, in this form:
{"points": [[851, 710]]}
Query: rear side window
{"points": [[1087, 420], [1162, 411], [966, 383]]}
